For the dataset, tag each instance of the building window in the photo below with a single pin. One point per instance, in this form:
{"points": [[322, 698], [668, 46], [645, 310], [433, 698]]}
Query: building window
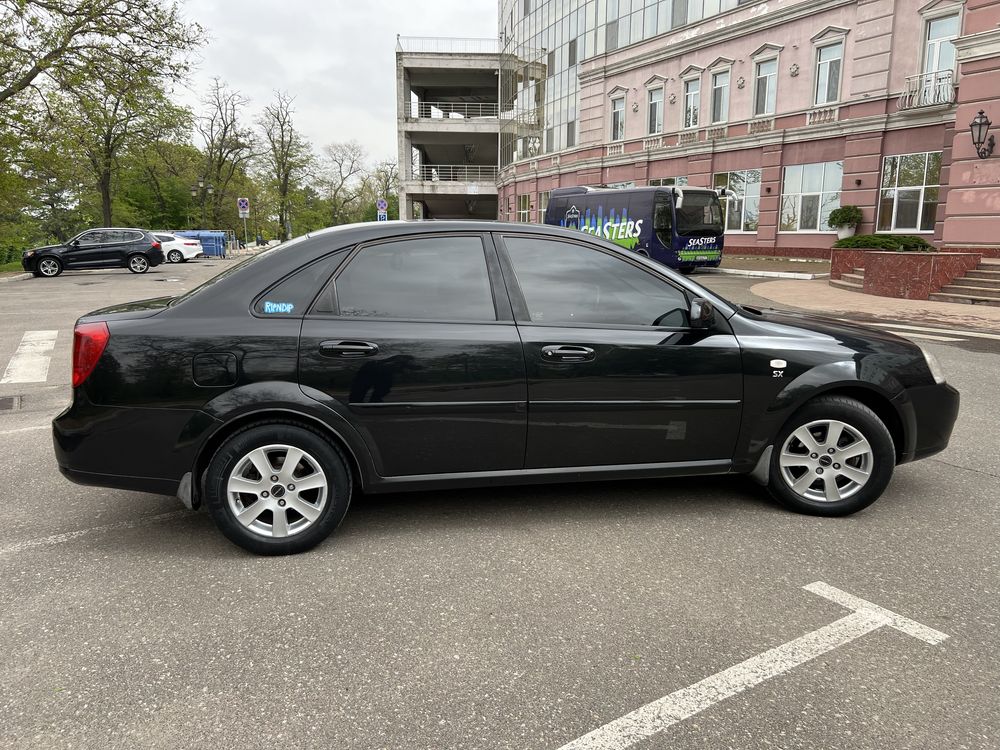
{"points": [[524, 208], [828, 61], [692, 102], [543, 205], [570, 134], [550, 65], [571, 51], [611, 36], [809, 193], [909, 197], [618, 118], [720, 96], [742, 204], [939, 50], [669, 182], [765, 88], [655, 111]]}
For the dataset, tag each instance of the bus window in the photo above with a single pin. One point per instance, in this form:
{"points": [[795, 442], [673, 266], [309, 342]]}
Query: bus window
{"points": [[699, 214], [663, 222]]}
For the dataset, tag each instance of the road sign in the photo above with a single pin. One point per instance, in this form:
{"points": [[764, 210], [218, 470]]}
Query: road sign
{"points": [[382, 204], [383, 216], [243, 204]]}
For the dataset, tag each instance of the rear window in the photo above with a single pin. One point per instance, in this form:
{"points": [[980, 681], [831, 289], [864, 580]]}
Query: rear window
{"points": [[164, 237]]}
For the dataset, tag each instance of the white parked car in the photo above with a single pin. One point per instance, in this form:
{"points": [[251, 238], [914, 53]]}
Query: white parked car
{"points": [[178, 249]]}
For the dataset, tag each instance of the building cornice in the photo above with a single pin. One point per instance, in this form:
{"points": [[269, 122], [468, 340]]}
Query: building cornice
{"points": [[680, 47], [981, 46]]}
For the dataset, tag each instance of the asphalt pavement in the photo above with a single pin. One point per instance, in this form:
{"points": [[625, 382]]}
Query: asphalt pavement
{"points": [[492, 618]]}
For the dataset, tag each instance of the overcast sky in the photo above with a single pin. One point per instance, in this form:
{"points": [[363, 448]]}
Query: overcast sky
{"points": [[337, 58]]}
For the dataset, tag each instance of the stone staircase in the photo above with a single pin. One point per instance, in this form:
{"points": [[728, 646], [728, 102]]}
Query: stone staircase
{"points": [[978, 287], [853, 281]]}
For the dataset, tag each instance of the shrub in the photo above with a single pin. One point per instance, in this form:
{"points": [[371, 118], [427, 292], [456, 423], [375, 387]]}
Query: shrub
{"points": [[911, 243], [869, 242], [845, 216]]}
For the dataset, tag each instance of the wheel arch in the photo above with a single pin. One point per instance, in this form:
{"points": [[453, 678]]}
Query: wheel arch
{"points": [[359, 476]]}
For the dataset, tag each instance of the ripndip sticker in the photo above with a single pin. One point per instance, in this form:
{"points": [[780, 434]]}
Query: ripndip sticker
{"points": [[278, 307]]}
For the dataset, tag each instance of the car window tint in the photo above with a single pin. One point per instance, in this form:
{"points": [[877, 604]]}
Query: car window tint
{"points": [[95, 237], [128, 236], [115, 235], [433, 278], [164, 237], [291, 297], [567, 283]]}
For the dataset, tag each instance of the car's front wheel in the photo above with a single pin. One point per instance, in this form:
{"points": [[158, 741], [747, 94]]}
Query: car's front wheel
{"points": [[833, 457], [175, 256], [49, 267], [138, 263], [277, 489]]}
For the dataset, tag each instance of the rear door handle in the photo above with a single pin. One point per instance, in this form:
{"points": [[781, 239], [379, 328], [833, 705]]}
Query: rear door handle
{"points": [[567, 353], [347, 349]]}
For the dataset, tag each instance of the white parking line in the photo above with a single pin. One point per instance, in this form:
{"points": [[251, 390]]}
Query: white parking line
{"points": [[30, 363], [927, 336], [48, 541], [925, 329], [26, 429], [684, 703]]}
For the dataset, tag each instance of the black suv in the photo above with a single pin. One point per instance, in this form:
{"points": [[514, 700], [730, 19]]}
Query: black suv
{"points": [[134, 249]]}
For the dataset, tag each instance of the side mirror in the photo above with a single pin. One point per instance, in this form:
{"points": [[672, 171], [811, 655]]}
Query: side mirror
{"points": [[702, 313], [75, 243]]}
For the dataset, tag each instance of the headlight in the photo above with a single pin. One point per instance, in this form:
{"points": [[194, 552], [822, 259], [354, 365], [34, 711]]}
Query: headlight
{"points": [[934, 366], [28, 253]]}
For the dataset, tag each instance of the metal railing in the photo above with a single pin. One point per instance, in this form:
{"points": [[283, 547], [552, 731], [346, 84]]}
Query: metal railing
{"points": [[928, 90], [452, 45], [455, 173], [453, 110]]}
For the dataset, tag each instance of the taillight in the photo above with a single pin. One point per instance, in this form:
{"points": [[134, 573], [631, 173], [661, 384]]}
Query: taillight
{"points": [[89, 342], [191, 244], [157, 246]]}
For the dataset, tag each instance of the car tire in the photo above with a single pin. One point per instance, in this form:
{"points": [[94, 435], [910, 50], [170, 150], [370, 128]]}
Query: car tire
{"points": [[250, 518], [686, 271], [49, 267], [175, 256], [842, 447], [137, 263]]}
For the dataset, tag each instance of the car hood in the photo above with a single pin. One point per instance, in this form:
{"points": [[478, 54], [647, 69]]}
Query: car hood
{"points": [[45, 247], [845, 332]]}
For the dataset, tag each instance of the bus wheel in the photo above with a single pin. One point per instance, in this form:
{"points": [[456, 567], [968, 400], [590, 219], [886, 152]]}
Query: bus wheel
{"points": [[643, 253]]}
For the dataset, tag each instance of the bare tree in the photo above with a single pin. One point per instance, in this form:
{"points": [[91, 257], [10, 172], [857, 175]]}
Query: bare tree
{"points": [[383, 179], [64, 41], [287, 155], [341, 179], [229, 146]]}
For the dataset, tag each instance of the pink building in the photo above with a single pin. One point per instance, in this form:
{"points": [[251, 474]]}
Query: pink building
{"points": [[797, 106]]}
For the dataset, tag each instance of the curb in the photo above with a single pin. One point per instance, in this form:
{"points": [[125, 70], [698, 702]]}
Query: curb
{"points": [[18, 277], [769, 274]]}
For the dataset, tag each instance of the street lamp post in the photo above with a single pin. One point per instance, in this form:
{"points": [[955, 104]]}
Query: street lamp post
{"points": [[980, 128], [201, 191]]}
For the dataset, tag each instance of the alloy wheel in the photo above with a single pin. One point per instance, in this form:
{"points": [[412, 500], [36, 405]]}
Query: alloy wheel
{"points": [[138, 264], [277, 491], [826, 461], [175, 256], [48, 267]]}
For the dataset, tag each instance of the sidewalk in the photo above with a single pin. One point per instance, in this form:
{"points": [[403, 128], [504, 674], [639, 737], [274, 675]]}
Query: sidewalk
{"points": [[819, 296]]}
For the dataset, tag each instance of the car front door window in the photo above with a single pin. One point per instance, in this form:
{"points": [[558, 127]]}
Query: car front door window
{"points": [[565, 284]]}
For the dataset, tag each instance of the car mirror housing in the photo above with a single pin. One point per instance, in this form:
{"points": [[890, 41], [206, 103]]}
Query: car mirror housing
{"points": [[702, 313]]}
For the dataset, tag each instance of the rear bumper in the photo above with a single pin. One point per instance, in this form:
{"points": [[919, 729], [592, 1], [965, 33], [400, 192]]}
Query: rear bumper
{"points": [[120, 482], [933, 412]]}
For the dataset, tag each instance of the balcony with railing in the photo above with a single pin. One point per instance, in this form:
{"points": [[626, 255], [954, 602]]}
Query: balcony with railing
{"points": [[935, 89], [448, 45], [454, 110], [455, 173]]}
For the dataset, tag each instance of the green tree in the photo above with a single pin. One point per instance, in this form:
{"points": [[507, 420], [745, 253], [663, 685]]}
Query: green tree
{"points": [[287, 155]]}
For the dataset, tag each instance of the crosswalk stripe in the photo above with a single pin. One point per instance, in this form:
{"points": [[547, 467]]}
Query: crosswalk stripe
{"points": [[30, 363], [947, 331], [927, 336]]}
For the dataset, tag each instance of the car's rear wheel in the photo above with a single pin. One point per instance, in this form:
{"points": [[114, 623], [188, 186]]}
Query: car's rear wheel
{"points": [[138, 263], [49, 267], [833, 457], [175, 256], [277, 489]]}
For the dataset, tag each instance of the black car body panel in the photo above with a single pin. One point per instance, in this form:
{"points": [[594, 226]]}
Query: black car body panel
{"points": [[98, 248], [446, 403]]}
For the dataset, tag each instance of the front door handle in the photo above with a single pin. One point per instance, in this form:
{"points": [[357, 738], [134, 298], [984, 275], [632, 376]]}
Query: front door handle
{"points": [[567, 353], [347, 349]]}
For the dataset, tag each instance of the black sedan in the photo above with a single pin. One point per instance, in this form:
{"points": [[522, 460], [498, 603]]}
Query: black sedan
{"points": [[406, 356], [134, 249]]}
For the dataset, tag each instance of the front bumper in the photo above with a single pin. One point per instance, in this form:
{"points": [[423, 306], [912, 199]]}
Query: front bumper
{"points": [[28, 263], [932, 412]]}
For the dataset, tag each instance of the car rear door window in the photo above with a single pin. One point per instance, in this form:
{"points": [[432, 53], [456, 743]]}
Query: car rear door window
{"points": [[164, 237], [95, 237], [432, 278], [565, 283], [291, 296]]}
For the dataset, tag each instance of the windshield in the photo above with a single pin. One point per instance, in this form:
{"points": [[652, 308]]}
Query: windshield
{"points": [[700, 215]]}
